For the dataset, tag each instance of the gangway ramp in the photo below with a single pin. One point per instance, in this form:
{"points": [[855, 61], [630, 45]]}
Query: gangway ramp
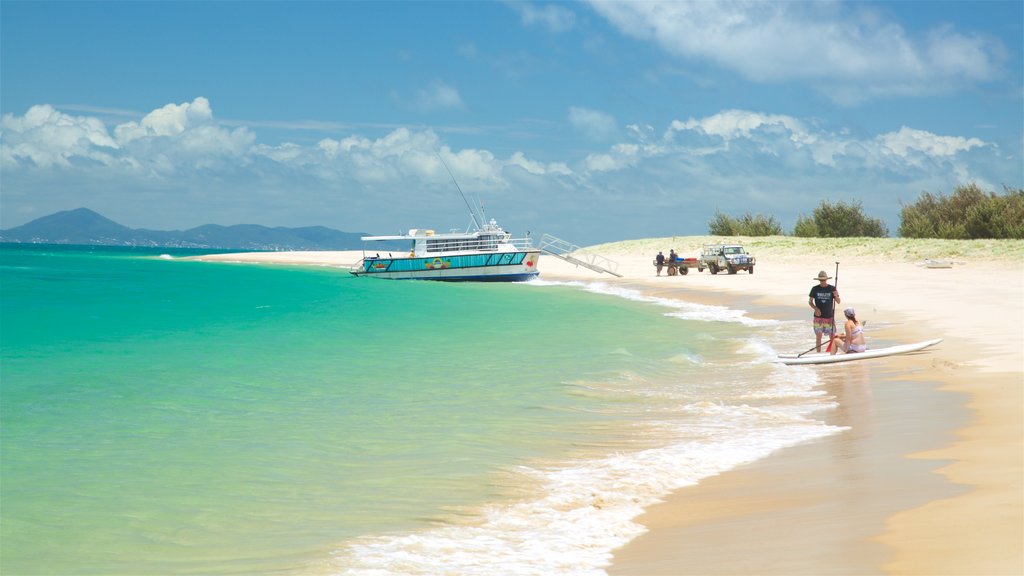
{"points": [[574, 254]]}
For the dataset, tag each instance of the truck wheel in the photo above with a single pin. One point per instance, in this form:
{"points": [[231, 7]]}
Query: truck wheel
{"points": [[732, 269], [750, 270], [699, 269], [713, 268], [684, 270]]}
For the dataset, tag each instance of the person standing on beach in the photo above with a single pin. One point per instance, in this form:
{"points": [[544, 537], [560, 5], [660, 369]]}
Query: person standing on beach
{"points": [[659, 261], [822, 300]]}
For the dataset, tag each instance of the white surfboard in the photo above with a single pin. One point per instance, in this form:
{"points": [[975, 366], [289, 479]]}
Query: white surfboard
{"points": [[826, 358]]}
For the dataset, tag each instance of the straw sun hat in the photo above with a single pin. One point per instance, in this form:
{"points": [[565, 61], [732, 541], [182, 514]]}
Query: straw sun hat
{"points": [[823, 276]]}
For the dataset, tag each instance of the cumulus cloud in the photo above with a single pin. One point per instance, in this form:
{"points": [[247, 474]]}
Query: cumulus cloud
{"points": [[738, 133], [44, 137], [848, 53], [732, 124], [162, 142], [183, 151], [908, 141], [179, 137], [171, 120]]}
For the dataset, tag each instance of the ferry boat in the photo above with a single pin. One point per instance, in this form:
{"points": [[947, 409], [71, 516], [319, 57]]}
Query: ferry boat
{"points": [[484, 253]]}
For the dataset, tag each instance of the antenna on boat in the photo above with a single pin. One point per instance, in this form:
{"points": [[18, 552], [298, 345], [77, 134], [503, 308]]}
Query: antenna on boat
{"points": [[472, 212]]}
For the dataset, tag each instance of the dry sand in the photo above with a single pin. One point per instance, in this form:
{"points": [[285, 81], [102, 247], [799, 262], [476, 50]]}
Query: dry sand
{"points": [[928, 480]]}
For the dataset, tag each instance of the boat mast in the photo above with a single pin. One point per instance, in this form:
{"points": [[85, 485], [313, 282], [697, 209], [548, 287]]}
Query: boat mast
{"points": [[472, 211]]}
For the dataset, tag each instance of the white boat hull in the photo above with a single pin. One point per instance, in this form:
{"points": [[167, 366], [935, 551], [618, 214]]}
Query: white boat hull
{"points": [[825, 358]]}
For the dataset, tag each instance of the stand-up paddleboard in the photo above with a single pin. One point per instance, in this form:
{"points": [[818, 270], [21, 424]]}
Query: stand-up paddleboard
{"points": [[826, 358]]}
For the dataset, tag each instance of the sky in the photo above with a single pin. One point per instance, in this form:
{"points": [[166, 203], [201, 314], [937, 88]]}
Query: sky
{"points": [[589, 121]]}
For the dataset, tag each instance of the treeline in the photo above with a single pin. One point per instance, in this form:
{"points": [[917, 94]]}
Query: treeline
{"points": [[969, 213]]}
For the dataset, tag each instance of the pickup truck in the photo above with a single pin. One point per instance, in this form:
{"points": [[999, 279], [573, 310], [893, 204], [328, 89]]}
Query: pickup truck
{"points": [[729, 257]]}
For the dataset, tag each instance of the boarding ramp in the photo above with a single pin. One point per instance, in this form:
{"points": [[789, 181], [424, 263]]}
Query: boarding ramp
{"points": [[574, 254]]}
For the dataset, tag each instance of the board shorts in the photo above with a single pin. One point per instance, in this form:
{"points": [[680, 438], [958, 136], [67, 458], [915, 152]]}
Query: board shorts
{"points": [[822, 325]]}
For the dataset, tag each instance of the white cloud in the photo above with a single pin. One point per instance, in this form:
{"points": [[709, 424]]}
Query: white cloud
{"points": [[162, 142], [171, 120], [45, 137], [593, 124], [180, 157], [603, 163], [553, 17], [732, 124], [849, 53], [739, 133], [284, 153], [179, 137], [908, 141], [438, 96], [520, 160]]}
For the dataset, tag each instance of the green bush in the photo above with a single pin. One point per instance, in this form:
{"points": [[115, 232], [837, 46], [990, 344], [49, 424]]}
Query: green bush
{"points": [[968, 214], [839, 220], [747, 225], [805, 228]]}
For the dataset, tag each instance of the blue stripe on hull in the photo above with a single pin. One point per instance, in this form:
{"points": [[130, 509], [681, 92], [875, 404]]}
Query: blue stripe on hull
{"points": [[456, 268]]}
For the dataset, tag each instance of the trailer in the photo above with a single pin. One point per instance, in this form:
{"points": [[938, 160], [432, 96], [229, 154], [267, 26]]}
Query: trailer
{"points": [[679, 267]]}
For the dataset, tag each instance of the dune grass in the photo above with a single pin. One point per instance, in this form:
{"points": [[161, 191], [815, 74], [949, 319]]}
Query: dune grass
{"points": [[893, 249]]}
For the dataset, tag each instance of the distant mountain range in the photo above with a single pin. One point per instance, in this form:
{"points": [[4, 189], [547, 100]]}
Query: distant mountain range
{"points": [[83, 226]]}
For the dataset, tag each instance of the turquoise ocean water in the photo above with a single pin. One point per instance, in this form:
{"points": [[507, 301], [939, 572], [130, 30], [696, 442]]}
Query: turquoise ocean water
{"points": [[166, 416]]}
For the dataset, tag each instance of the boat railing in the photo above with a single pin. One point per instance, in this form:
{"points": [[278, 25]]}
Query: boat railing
{"points": [[577, 255], [524, 243], [485, 244]]}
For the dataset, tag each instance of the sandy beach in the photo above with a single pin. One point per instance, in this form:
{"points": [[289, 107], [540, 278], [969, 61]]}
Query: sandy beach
{"points": [[929, 477]]}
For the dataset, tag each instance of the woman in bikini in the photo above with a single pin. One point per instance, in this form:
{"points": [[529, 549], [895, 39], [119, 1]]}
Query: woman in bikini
{"points": [[853, 339]]}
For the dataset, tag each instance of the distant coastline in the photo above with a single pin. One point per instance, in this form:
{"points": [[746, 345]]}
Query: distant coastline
{"points": [[85, 227]]}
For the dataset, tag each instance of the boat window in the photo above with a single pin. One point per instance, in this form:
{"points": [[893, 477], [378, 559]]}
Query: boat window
{"points": [[483, 244]]}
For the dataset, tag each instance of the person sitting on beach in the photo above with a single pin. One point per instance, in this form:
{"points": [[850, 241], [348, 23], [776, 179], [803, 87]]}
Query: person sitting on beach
{"points": [[659, 261], [853, 338], [823, 299]]}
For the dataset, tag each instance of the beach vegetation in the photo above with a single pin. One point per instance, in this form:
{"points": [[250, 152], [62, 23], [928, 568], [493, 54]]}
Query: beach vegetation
{"points": [[747, 225], [796, 249], [839, 220], [968, 214], [792, 248]]}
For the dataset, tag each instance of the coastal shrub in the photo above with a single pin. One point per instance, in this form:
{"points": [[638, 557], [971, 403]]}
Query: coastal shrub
{"points": [[839, 220], [805, 228], [968, 214], [747, 225]]}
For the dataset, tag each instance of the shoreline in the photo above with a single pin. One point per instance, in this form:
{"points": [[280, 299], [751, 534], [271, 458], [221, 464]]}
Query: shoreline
{"points": [[937, 437], [751, 520]]}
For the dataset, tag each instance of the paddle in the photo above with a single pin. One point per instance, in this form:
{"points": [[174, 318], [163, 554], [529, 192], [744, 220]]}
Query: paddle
{"points": [[833, 338], [830, 340]]}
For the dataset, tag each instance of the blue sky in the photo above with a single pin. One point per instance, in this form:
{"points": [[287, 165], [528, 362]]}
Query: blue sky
{"points": [[590, 121]]}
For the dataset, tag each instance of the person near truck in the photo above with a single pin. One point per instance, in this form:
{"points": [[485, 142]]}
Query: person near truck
{"points": [[822, 300], [659, 261], [672, 261]]}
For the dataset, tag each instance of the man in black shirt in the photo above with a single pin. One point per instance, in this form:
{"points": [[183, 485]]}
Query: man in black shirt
{"points": [[823, 299]]}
